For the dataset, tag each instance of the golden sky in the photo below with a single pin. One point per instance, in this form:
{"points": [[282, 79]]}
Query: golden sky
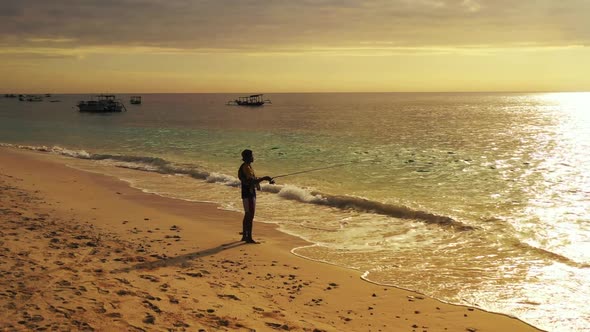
{"points": [[75, 46]]}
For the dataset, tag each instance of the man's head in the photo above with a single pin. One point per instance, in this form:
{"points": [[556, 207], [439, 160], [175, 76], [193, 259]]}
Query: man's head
{"points": [[247, 156]]}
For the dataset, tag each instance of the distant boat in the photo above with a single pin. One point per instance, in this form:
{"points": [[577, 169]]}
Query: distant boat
{"points": [[10, 95], [135, 100], [29, 98], [252, 100], [100, 104], [33, 98]]}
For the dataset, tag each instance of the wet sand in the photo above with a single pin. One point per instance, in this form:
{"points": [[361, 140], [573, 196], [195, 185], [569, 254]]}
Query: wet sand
{"points": [[86, 252]]}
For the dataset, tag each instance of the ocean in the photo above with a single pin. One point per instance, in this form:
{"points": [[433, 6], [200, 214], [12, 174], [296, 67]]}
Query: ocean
{"points": [[480, 199]]}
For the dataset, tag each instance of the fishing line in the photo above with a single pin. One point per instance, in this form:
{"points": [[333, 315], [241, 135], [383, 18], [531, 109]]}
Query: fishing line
{"points": [[314, 169]]}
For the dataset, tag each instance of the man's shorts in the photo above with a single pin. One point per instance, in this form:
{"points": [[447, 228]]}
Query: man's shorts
{"points": [[249, 204]]}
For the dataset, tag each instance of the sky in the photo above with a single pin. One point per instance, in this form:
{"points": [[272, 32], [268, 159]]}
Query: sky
{"points": [[265, 46]]}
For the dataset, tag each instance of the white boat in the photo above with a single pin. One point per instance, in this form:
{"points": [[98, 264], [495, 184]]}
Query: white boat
{"points": [[101, 103], [252, 100]]}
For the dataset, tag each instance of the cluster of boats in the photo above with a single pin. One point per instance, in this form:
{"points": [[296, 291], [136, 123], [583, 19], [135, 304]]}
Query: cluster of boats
{"points": [[106, 103], [22, 97], [98, 103], [110, 103]]}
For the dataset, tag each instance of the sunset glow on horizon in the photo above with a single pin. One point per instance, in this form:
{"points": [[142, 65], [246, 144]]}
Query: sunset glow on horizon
{"points": [[300, 46]]}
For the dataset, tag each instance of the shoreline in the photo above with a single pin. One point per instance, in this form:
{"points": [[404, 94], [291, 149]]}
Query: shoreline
{"points": [[162, 248]]}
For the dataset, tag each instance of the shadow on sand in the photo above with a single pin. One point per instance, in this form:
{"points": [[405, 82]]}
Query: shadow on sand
{"points": [[179, 260]]}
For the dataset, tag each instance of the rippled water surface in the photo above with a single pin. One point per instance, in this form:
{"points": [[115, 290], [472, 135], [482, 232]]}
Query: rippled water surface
{"points": [[477, 198]]}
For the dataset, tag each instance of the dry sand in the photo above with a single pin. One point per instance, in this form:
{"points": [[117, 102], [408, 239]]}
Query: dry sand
{"points": [[86, 252]]}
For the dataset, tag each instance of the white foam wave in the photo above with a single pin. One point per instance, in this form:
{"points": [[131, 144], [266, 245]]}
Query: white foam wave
{"points": [[223, 178], [82, 154], [159, 165], [300, 194], [137, 166]]}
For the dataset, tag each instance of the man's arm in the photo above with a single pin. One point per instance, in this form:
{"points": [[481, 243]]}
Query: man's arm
{"points": [[251, 178], [264, 178]]}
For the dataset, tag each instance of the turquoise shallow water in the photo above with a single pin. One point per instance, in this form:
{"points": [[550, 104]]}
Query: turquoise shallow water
{"points": [[476, 198]]}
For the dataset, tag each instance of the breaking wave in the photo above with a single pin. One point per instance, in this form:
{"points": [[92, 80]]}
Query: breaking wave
{"points": [[160, 165]]}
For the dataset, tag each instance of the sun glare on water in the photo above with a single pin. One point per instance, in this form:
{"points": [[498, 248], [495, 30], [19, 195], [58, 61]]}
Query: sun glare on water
{"points": [[562, 200], [571, 102]]}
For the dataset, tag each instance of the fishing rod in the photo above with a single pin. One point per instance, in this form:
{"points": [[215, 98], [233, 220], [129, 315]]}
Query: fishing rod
{"points": [[312, 170]]}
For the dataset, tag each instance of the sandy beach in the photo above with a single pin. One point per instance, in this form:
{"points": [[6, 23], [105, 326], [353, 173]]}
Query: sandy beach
{"points": [[86, 252]]}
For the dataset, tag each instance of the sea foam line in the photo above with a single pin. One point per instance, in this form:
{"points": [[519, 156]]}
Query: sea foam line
{"points": [[343, 202]]}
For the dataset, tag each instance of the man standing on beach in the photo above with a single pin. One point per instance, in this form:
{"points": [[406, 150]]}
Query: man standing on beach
{"points": [[250, 183]]}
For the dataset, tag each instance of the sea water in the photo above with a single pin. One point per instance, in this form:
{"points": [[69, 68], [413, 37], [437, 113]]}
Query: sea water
{"points": [[472, 198]]}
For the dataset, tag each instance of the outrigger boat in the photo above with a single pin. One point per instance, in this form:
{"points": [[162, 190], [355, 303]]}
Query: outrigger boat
{"points": [[30, 98], [252, 100], [102, 103], [34, 98]]}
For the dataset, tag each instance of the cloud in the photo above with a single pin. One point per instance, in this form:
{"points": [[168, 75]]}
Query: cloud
{"points": [[51, 40], [254, 25]]}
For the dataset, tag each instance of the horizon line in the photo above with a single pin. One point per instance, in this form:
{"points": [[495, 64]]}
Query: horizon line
{"points": [[302, 92]]}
